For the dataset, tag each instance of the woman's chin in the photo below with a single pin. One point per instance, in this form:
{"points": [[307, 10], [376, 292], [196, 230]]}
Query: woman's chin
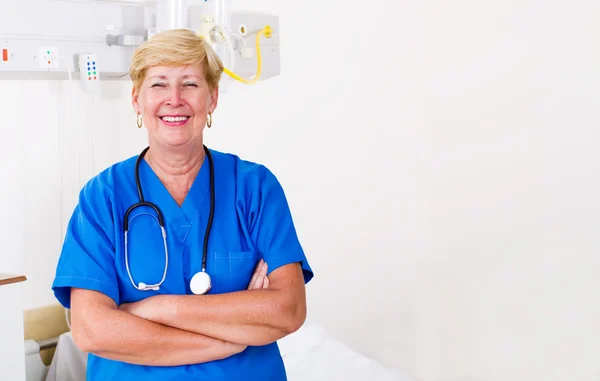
{"points": [[176, 137]]}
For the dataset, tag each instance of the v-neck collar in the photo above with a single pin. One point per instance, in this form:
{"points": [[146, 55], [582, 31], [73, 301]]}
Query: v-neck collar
{"points": [[181, 218]]}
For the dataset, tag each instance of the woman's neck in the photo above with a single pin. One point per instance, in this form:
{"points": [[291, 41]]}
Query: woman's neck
{"points": [[176, 170]]}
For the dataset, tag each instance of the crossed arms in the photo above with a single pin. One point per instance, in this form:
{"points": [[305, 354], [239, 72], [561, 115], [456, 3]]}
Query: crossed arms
{"points": [[169, 330]]}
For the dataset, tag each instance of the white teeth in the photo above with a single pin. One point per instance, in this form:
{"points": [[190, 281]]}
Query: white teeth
{"points": [[173, 119]]}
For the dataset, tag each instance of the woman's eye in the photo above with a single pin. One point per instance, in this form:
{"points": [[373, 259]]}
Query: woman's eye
{"points": [[158, 85], [191, 85]]}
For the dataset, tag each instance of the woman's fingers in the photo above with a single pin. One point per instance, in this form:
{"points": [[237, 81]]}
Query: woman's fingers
{"points": [[263, 274], [256, 281], [255, 275], [263, 270], [259, 277]]}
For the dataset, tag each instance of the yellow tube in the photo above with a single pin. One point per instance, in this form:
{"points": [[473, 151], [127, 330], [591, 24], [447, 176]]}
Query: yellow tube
{"points": [[267, 32]]}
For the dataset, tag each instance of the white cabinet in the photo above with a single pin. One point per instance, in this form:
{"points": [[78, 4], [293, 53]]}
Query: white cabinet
{"points": [[12, 351]]}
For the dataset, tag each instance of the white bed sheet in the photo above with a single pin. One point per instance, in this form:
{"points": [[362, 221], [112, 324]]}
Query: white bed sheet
{"points": [[310, 354]]}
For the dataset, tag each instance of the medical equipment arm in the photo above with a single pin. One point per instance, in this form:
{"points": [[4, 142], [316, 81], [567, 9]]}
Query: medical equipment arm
{"points": [[102, 329], [250, 317]]}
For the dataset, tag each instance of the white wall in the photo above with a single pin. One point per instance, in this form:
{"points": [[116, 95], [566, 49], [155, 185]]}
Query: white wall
{"points": [[342, 129], [43, 181], [513, 161]]}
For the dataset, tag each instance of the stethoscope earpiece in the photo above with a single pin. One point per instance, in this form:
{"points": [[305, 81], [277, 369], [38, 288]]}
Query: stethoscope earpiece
{"points": [[144, 287]]}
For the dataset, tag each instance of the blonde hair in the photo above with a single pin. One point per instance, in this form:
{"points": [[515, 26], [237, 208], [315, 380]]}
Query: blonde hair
{"points": [[174, 48]]}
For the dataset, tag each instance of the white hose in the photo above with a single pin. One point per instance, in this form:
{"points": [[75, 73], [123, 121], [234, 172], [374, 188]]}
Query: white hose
{"points": [[229, 44]]}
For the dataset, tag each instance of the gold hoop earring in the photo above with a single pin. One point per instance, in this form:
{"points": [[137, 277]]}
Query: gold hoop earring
{"points": [[139, 120], [209, 120]]}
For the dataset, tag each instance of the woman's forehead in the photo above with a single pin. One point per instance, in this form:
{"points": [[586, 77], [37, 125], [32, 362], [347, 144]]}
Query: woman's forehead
{"points": [[174, 72]]}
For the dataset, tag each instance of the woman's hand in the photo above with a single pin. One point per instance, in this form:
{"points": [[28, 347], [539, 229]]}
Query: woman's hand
{"points": [[259, 278]]}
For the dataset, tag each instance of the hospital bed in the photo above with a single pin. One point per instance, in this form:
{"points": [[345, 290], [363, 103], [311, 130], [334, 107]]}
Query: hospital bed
{"points": [[310, 354]]}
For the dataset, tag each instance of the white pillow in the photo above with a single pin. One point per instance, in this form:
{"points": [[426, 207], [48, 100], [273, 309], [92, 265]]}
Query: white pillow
{"points": [[309, 336]]}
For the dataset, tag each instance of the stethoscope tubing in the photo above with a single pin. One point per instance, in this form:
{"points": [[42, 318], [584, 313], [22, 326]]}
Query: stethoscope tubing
{"points": [[161, 221]]}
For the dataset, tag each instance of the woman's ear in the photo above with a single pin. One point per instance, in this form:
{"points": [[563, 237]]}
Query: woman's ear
{"points": [[134, 100], [214, 100]]}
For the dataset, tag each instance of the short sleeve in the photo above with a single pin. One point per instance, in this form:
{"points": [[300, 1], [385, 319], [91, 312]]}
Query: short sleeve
{"points": [[273, 227], [87, 257]]}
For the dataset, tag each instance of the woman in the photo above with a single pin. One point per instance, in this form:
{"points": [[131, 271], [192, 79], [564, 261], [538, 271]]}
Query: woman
{"points": [[140, 304]]}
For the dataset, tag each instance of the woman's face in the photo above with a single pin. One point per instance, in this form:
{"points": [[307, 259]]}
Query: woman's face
{"points": [[174, 103]]}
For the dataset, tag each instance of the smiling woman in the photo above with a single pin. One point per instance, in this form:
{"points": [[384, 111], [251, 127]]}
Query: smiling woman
{"points": [[202, 212], [175, 92]]}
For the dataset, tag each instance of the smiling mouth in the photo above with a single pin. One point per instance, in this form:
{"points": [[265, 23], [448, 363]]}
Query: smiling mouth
{"points": [[174, 119]]}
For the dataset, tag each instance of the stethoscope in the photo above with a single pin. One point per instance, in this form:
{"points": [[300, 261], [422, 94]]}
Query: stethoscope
{"points": [[200, 282]]}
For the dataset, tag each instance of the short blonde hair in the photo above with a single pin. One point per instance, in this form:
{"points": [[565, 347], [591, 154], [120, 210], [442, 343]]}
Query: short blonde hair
{"points": [[174, 48]]}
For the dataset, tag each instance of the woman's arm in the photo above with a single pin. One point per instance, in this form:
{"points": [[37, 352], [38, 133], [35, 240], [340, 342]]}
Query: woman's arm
{"points": [[250, 317], [99, 327]]}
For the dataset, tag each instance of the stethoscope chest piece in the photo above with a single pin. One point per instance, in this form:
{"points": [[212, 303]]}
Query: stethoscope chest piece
{"points": [[200, 283]]}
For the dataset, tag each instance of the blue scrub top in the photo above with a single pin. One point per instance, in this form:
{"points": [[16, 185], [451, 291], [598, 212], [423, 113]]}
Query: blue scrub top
{"points": [[252, 220]]}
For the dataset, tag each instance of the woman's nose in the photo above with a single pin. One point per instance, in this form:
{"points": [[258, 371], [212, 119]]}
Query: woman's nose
{"points": [[174, 97]]}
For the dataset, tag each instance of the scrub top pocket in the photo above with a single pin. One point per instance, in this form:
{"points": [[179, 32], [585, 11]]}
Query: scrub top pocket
{"points": [[233, 270]]}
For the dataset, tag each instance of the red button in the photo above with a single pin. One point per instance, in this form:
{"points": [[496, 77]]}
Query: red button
{"points": [[4, 54], [94, 78], [89, 79]]}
